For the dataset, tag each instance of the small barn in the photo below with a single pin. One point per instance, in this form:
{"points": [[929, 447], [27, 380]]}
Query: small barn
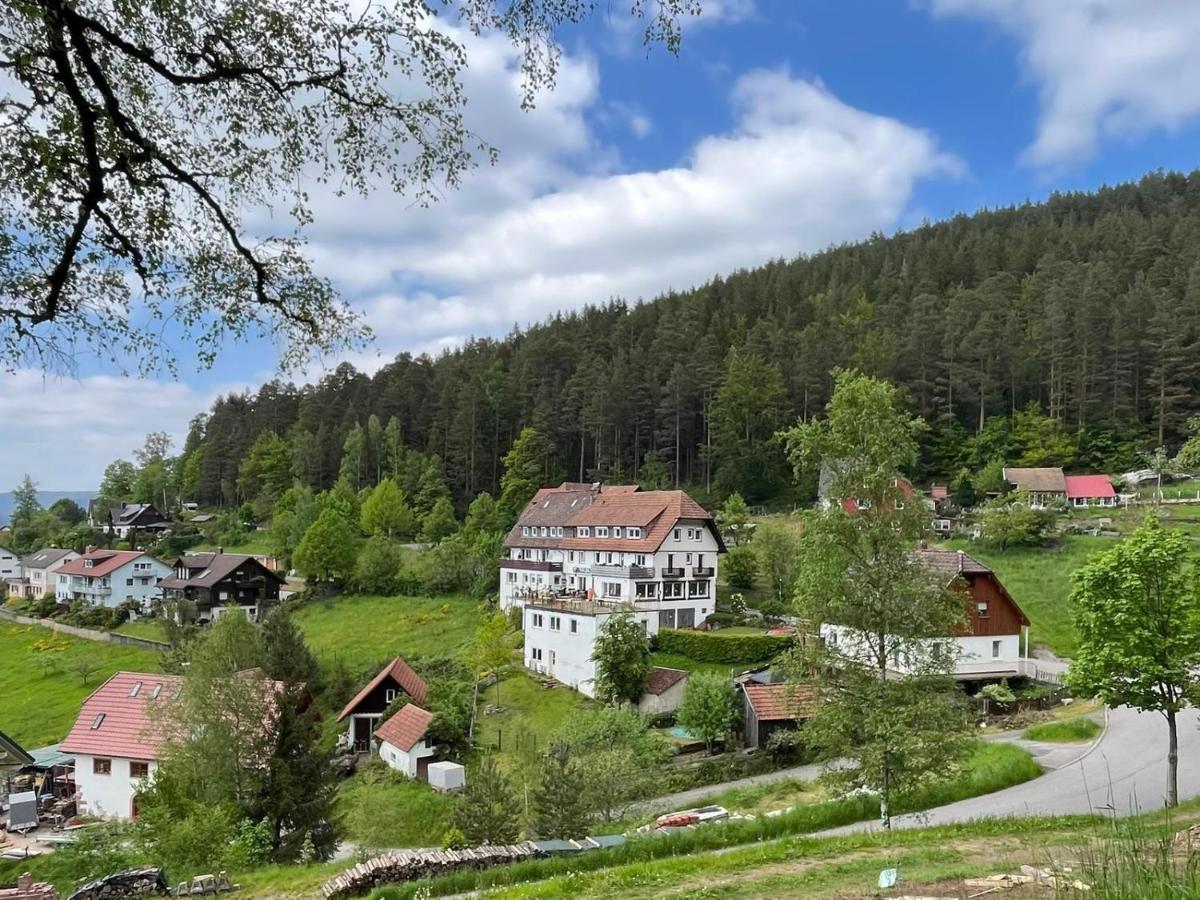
{"points": [[770, 707], [404, 742], [664, 691], [365, 711]]}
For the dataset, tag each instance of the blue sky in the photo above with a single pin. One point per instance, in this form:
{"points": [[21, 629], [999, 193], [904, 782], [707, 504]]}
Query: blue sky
{"points": [[782, 126]]}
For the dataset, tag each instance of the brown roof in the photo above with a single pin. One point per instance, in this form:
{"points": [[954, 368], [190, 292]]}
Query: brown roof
{"points": [[951, 562], [661, 680], [779, 702], [103, 562], [569, 506], [406, 728], [1040, 480], [116, 720], [398, 671]]}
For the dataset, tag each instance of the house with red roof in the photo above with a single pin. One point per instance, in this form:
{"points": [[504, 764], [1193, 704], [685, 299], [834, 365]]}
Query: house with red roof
{"points": [[770, 706], [664, 691], [1090, 490], [404, 742], [117, 741], [110, 577], [363, 713]]}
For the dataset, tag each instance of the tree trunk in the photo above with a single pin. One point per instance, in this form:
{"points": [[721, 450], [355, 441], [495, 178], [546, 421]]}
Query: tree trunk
{"points": [[1172, 760]]}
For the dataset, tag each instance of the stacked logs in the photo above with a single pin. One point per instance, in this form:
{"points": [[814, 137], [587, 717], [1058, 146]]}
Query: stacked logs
{"points": [[409, 865]]}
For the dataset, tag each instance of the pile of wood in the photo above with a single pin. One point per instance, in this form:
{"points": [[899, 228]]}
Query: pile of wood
{"points": [[28, 889], [409, 865], [148, 882]]}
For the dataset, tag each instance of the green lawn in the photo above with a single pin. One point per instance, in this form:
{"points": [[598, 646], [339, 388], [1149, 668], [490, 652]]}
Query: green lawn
{"points": [[256, 543], [1069, 731], [380, 809], [150, 629], [530, 715], [1039, 579], [363, 630], [38, 705]]}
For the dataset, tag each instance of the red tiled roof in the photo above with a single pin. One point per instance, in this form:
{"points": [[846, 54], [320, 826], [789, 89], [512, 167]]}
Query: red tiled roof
{"points": [[401, 673], [406, 728], [571, 505], [103, 562], [938, 491], [1089, 486], [116, 721], [779, 702], [661, 680]]}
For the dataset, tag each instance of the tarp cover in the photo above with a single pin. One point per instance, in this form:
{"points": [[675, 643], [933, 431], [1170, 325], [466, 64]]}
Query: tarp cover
{"points": [[22, 811]]}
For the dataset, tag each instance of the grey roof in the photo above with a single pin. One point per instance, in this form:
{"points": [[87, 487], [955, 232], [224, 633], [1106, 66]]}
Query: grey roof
{"points": [[1038, 480], [12, 753], [44, 558], [206, 569], [951, 562], [49, 757]]}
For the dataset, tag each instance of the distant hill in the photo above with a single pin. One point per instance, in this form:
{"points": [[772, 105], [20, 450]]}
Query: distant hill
{"points": [[45, 498]]}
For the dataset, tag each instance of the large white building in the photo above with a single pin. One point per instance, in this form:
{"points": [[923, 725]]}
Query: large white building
{"points": [[110, 577], [580, 553], [39, 573]]}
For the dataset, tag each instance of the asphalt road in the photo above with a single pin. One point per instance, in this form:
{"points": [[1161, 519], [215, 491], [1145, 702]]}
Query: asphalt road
{"points": [[1124, 772]]}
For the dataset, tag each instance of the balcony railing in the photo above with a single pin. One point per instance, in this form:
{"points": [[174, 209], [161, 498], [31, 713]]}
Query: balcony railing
{"points": [[672, 573], [531, 565], [702, 572], [617, 571]]}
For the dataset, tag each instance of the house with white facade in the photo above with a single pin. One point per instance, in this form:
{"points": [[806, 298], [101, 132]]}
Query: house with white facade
{"points": [[10, 566], [39, 573], [110, 577], [117, 741], [580, 553], [993, 641], [404, 741]]}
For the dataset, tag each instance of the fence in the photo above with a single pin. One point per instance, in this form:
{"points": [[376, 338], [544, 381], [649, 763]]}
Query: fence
{"points": [[87, 634]]}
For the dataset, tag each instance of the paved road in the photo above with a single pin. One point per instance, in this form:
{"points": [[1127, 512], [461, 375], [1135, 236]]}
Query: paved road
{"points": [[1125, 772]]}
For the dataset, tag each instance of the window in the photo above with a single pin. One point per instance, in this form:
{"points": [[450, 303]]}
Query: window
{"points": [[646, 590], [673, 590], [698, 588], [136, 689], [982, 607], [525, 530], [389, 695], [139, 770], [128, 582], [537, 620], [612, 589], [512, 577], [545, 531], [995, 649], [574, 626], [552, 657], [617, 531], [98, 721], [535, 653], [583, 532], [676, 534], [601, 531], [555, 624], [639, 559], [633, 532], [101, 766]]}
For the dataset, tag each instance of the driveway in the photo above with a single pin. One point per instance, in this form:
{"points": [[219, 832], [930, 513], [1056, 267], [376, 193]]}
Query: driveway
{"points": [[1124, 772]]}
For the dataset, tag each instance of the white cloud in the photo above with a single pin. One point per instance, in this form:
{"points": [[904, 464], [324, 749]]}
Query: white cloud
{"points": [[799, 171], [1104, 68], [64, 431]]}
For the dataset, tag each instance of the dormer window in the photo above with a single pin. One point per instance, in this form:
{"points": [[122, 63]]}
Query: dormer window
{"points": [[583, 531], [87, 563], [633, 532], [602, 531], [617, 531], [545, 531]]}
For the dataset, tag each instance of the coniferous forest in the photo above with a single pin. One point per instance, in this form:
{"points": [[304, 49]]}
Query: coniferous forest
{"points": [[1078, 317]]}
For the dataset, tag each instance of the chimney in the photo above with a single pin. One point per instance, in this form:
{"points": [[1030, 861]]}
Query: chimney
{"points": [[89, 549], [960, 562], [221, 550]]}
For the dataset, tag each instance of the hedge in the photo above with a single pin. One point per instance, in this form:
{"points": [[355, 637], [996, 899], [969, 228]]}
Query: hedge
{"points": [[709, 647]]}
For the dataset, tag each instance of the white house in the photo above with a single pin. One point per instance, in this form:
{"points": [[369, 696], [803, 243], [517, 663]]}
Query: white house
{"points": [[989, 645], [110, 577], [1090, 490], [10, 566], [404, 743], [580, 553], [39, 572], [116, 741]]}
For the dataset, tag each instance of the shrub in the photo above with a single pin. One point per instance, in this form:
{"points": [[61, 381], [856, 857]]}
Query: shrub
{"points": [[740, 565], [742, 649]]}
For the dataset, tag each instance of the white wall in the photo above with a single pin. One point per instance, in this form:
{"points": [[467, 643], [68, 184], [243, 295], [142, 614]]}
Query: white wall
{"points": [[666, 702], [67, 586], [975, 653], [565, 655], [110, 796], [402, 761], [10, 565]]}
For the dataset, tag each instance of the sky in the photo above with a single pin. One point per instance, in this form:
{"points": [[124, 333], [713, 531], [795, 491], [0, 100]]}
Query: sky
{"points": [[781, 127]]}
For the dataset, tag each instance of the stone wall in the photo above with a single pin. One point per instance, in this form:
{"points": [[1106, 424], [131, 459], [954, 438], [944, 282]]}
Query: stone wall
{"points": [[28, 889]]}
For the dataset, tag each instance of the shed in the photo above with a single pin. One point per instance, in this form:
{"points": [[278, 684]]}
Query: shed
{"points": [[773, 707], [403, 743], [664, 691]]}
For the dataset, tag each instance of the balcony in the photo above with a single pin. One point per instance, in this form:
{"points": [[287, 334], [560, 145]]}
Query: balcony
{"points": [[703, 572], [636, 572], [672, 573], [531, 565]]}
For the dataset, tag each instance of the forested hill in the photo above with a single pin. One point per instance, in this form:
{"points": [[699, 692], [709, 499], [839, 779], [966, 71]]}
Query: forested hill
{"points": [[1087, 305]]}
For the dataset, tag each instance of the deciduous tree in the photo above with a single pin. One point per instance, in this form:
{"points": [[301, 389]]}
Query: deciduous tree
{"points": [[621, 653], [708, 710], [329, 548], [1137, 614]]}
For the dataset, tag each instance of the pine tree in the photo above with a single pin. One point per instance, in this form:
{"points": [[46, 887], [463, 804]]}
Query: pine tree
{"points": [[26, 505], [560, 808], [487, 811], [528, 466], [386, 512], [439, 522]]}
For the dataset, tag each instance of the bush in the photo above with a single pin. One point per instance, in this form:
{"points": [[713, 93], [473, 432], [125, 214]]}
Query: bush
{"points": [[740, 566], [742, 649]]}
